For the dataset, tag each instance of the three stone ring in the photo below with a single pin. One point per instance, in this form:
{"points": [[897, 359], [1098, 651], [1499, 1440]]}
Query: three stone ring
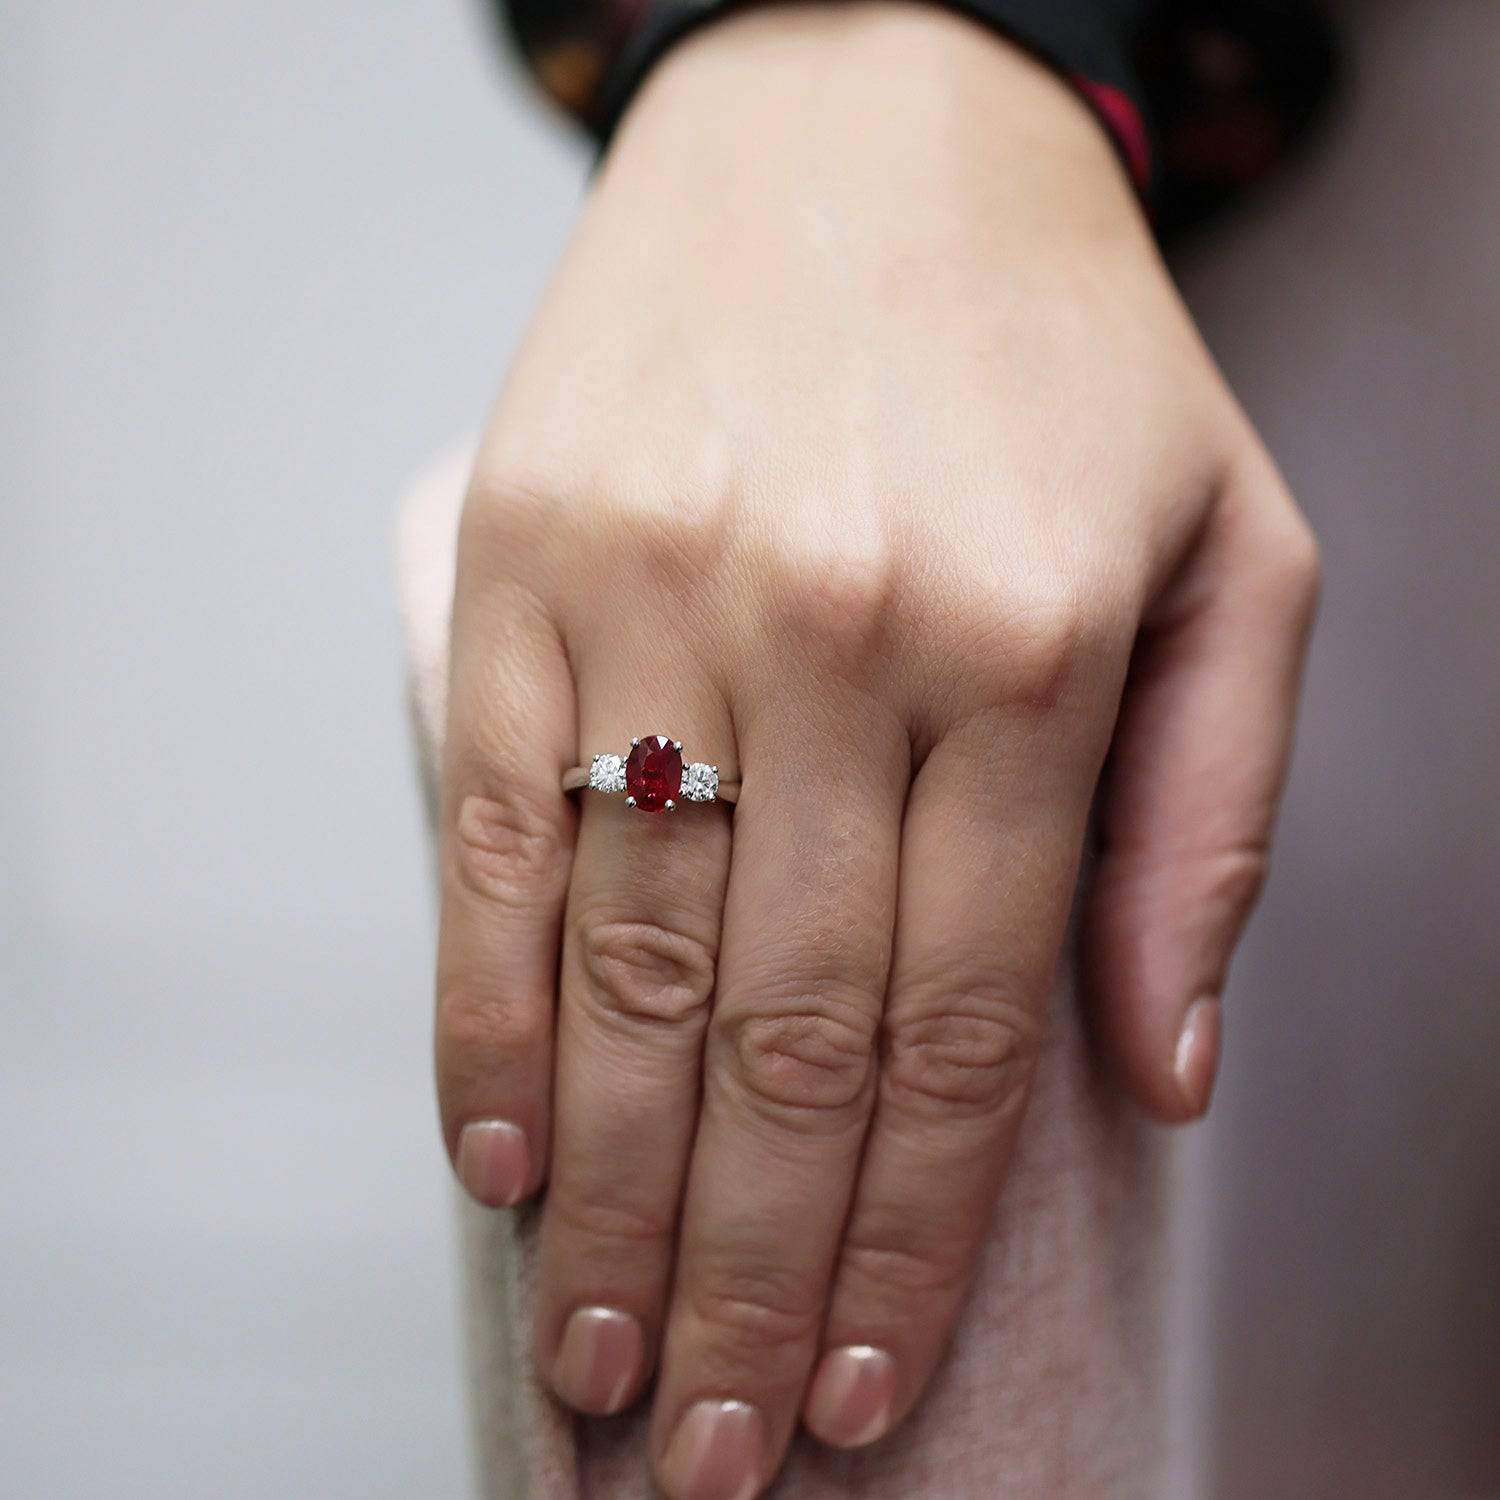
{"points": [[653, 776]]}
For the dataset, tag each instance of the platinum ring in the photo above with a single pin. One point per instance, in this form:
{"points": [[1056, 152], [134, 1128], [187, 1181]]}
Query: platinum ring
{"points": [[653, 776]]}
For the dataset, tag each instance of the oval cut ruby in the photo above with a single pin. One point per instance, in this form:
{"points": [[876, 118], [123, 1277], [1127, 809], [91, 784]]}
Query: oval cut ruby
{"points": [[653, 774]]}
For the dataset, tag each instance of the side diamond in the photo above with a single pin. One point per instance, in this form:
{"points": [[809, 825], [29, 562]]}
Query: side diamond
{"points": [[607, 773], [700, 783]]}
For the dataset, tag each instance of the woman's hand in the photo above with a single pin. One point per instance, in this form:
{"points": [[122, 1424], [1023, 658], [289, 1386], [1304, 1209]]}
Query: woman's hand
{"points": [[863, 445]]}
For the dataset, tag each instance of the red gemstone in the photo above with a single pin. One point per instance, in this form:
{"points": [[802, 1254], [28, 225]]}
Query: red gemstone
{"points": [[653, 773]]}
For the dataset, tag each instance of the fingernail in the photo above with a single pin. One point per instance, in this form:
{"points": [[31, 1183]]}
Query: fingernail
{"points": [[1195, 1060], [598, 1362], [493, 1162], [850, 1401], [717, 1453]]}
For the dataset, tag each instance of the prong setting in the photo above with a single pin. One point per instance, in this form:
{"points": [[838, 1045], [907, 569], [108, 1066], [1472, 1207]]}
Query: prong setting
{"points": [[700, 782], [653, 775], [607, 773]]}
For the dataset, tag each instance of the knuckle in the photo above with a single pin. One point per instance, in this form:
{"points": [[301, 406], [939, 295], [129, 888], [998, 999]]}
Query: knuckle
{"points": [[1234, 877], [838, 600], [939, 1269], [757, 1310], [1299, 571], [670, 551], [507, 496], [474, 1029], [509, 849], [811, 1060], [1282, 570], [669, 541], [507, 526], [645, 970], [974, 1056], [1032, 643], [599, 1216]]}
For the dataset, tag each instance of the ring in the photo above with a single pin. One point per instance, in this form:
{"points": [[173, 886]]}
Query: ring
{"points": [[653, 776]]}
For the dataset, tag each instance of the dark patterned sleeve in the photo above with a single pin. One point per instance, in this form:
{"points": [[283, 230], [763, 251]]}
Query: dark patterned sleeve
{"points": [[1203, 98]]}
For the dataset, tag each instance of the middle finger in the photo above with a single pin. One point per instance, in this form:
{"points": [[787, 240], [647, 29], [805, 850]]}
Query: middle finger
{"points": [[788, 1082]]}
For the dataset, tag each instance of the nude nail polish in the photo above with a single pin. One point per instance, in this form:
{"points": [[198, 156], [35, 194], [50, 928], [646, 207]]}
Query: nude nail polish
{"points": [[598, 1362], [1195, 1059], [718, 1452], [494, 1162], [849, 1404]]}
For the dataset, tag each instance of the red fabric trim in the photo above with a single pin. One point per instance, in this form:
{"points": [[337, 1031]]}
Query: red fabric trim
{"points": [[1119, 112]]}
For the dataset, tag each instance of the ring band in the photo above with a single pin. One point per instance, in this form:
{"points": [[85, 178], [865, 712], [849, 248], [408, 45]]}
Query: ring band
{"points": [[653, 776]]}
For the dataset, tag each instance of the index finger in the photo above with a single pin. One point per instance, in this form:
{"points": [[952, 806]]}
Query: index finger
{"points": [[505, 848]]}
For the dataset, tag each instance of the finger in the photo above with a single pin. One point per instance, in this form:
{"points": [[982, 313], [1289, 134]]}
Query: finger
{"points": [[1191, 792], [788, 1075], [505, 847], [989, 857], [639, 955]]}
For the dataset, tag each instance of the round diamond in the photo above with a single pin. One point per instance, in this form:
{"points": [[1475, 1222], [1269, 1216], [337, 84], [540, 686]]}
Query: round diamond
{"points": [[700, 782], [607, 773]]}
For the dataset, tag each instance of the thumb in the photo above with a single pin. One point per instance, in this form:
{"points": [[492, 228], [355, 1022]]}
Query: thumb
{"points": [[1192, 787]]}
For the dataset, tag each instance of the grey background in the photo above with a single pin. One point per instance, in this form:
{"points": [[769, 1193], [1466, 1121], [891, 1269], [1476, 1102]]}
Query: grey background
{"points": [[1347, 1193], [259, 263]]}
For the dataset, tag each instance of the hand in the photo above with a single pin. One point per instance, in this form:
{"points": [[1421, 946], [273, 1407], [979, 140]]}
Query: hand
{"points": [[862, 444]]}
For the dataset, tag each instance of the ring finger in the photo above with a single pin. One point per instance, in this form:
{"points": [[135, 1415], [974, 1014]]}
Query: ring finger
{"points": [[639, 953]]}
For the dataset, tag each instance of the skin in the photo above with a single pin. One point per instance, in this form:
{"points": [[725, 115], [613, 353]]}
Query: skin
{"points": [[862, 443]]}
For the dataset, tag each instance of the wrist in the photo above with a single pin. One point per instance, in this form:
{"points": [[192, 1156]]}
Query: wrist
{"points": [[878, 140], [883, 68], [905, 93]]}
